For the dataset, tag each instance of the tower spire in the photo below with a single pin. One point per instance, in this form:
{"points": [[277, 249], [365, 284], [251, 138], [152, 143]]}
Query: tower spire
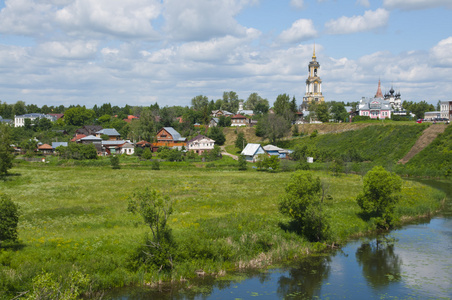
{"points": [[379, 94], [313, 53]]}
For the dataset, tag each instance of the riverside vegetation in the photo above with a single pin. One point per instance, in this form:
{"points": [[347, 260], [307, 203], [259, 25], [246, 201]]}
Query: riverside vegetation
{"points": [[74, 220]]}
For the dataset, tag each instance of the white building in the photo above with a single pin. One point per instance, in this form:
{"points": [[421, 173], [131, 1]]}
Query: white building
{"points": [[19, 121], [200, 144], [446, 109], [375, 108]]}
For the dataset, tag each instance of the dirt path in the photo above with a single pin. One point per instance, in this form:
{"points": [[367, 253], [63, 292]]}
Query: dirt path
{"points": [[223, 152], [423, 141]]}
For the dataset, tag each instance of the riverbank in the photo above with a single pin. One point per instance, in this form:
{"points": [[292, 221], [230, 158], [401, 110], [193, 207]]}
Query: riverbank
{"points": [[75, 218]]}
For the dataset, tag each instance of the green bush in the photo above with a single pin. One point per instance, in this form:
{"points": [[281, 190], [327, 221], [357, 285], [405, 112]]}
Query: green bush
{"points": [[9, 218]]}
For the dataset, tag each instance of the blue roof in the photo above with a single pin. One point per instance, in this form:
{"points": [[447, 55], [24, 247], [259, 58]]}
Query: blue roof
{"points": [[57, 144], [176, 135], [109, 132]]}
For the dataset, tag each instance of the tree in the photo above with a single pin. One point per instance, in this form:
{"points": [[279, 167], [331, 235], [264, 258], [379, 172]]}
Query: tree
{"points": [[155, 210], [9, 218], [338, 111], [224, 121], [242, 163], [216, 134], [6, 151], [199, 102], [273, 127], [79, 116], [303, 202], [379, 196], [284, 107], [147, 154], [114, 161], [240, 142], [322, 113]]}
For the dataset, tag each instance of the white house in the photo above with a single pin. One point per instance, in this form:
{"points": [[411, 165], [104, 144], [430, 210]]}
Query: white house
{"points": [[446, 109], [127, 148], [252, 151], [200, 144], [375, 108], [19, 121]]}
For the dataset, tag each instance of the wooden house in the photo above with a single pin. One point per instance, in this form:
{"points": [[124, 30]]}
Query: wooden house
{"points": [[252, 151], [169, 137]]}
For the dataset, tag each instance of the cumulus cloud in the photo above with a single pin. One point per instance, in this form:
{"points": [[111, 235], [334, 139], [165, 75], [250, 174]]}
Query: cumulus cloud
{"points": [[301, 30], [68, 50], [203, 19], [297, 3], [369, 21], [123, 19], [441, 54], [416, 4], [25, 17]]}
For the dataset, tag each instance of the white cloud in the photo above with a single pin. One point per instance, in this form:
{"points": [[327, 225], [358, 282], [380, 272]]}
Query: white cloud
{"points": [[203, 19], [364, 3], [416, 4], [301, 30], [25, 17], [369, 21], [68, 50], [441, 54], [297, 3], [123, 19]]}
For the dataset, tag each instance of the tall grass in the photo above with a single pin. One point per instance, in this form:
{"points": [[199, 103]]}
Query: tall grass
{"points": [[75, 217]]}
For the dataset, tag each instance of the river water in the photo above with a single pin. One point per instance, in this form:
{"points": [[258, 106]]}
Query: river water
{"points": [[414, 262]]}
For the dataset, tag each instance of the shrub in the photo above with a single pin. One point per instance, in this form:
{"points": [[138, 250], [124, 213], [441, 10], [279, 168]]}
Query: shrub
{"points": [[114, 161], [9, 218]]}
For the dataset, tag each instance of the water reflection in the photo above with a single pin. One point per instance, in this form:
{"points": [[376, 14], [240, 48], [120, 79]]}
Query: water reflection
{"points": [[379, 261], [305, 280]]}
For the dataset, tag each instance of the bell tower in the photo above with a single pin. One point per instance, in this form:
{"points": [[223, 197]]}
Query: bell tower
{"points": [[313, 84]]}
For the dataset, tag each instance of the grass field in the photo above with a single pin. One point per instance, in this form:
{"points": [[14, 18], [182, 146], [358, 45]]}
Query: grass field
{"points": [[75, 218]]}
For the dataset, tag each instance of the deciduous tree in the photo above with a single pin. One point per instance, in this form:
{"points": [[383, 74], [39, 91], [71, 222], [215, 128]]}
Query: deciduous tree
{"points": [[380, 196], [6, 151]]}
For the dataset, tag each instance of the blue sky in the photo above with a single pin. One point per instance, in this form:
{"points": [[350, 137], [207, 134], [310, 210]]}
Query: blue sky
{"points": [[139, 52]]}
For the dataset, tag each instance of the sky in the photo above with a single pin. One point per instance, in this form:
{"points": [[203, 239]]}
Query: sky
{"points": [[141, 52]]}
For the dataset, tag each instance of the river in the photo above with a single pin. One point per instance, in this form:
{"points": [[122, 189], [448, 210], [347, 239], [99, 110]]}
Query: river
{"points": [[414, 262]]}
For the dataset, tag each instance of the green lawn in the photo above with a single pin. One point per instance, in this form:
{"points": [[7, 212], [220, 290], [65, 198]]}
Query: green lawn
{"points": [[76, 218]]}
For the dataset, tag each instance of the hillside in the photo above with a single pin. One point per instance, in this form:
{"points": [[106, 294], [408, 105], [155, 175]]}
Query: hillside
{"points": [[307, 129], [426, 138]]}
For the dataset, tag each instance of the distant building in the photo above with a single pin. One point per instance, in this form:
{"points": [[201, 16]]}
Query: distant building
{"points": [[239, 120], [375, 108], [242, 111], [313, 84], [252, 151], [19, 121], [200, 144], [446, 109]]}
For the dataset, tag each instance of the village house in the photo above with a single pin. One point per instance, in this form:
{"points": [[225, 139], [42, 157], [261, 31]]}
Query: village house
{"points": [[273, 150], [19, 121], [45, 149], [88, 130], [200, 144], [218, 113], [252, 151], [239, 120], [169, 137], [112, 134]]}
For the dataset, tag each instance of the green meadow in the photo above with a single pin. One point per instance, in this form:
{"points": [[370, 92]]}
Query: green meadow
{"points": [[75, 217]]}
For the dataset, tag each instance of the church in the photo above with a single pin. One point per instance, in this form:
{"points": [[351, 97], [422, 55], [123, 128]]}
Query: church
{"points": [[313, 85]]}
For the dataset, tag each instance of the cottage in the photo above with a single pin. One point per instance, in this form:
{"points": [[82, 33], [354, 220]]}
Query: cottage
{"points": [[200, 144], [112, 134], [214, 122], [252, 151], [239, 120], [273, 150], [88, 130], [218, 113], [45, 149], [169, 137], [127, 148]]}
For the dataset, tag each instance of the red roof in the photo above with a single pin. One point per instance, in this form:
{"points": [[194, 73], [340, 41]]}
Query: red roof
{"points": [[238, 116], [45, 147], [143, 143], [78, 137]]}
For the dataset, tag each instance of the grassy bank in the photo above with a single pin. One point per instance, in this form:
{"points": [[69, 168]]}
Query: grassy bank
{"points": [[75, 217]]}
